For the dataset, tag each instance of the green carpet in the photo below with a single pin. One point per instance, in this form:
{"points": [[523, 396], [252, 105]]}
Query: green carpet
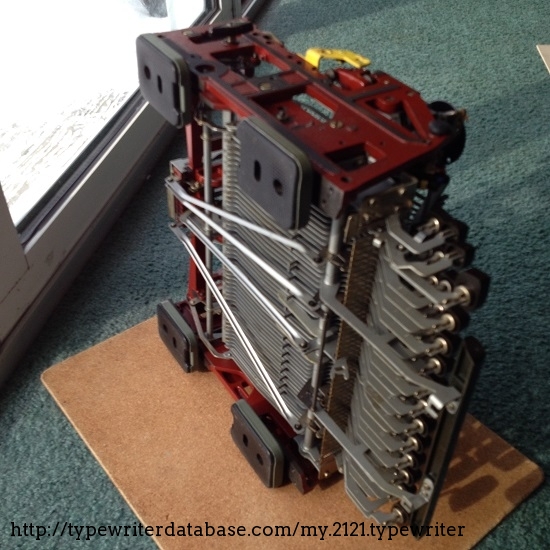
{"points": [[477, 55]]}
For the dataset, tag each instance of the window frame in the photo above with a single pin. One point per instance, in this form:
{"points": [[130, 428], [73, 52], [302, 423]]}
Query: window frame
{"points": [[41, 257]]}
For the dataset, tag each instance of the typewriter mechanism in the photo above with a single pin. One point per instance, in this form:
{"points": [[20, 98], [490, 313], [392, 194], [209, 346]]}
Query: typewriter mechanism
{"points": [[327, 286]]}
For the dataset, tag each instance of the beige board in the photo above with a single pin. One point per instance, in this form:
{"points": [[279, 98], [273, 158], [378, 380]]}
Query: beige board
{"points": [[544, 51], [163, 438]]}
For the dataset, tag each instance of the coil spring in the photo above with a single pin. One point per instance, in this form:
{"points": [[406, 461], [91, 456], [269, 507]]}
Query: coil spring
{"points": [[231, 158]]}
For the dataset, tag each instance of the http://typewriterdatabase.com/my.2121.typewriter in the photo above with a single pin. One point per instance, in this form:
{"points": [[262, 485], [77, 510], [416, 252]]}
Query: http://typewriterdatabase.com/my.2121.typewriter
{"points": [[327, 285]]}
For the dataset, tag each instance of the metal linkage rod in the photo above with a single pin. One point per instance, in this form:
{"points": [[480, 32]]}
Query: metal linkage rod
{"points": [[270, 386], [289, 330], [247, 252], [187, 199]]}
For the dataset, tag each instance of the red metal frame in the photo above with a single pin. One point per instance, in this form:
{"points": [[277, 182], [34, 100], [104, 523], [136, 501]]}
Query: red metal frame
{"points": [[362, 103]]}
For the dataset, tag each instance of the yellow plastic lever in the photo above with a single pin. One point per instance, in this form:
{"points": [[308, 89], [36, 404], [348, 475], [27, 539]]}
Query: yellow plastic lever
{"points": [[314, 56]]}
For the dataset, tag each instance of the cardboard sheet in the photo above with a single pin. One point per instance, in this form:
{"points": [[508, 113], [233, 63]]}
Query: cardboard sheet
{"points": [[163, 438], [544, 50]]}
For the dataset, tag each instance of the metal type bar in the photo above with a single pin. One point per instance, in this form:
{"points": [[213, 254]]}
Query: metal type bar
{"points": [[289, 330], [270, 386], [356, 453], [208, 199], [440, 397], [247, 252]]}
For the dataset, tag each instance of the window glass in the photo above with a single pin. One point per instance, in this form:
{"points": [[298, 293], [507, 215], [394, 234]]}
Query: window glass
{"points": [[70, 68]]}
